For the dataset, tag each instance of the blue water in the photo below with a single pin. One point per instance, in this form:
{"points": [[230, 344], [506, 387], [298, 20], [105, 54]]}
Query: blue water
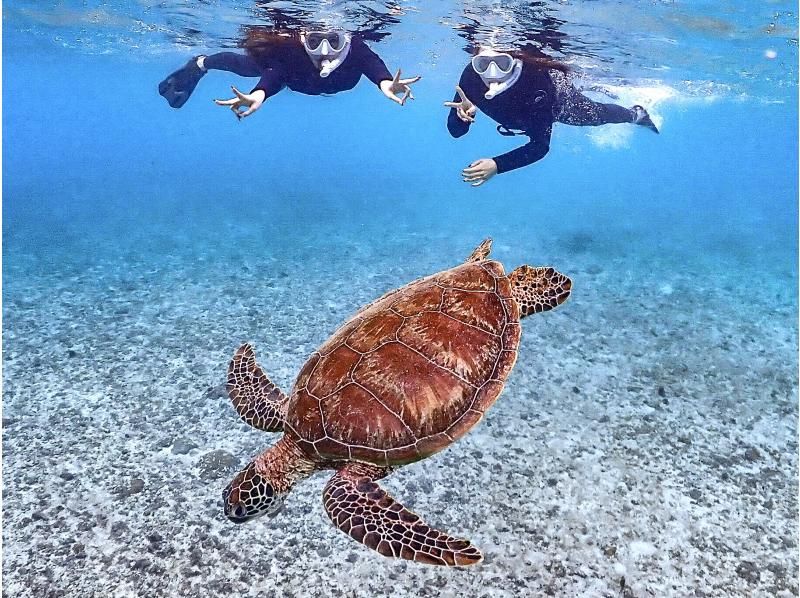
{"points": [[141, 244]]}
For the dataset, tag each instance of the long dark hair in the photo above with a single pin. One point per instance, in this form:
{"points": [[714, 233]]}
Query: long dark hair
{"points": [[540, 62], [264, 43]]}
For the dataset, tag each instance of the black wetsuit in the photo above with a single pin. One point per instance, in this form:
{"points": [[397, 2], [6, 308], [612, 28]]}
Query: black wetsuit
{"points": [[537, 99], [293, 68]]}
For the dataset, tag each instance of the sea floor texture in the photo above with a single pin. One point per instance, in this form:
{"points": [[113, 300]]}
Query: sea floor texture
{"points": [[645, 444]]}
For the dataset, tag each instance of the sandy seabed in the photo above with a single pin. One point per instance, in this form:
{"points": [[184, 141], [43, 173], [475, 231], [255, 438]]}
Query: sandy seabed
{"points": [[645, 445]]}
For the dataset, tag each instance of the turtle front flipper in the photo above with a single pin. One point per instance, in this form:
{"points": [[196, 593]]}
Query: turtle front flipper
{"points": [[361, 508], [257, 400], [538, 289], [481, 252]]}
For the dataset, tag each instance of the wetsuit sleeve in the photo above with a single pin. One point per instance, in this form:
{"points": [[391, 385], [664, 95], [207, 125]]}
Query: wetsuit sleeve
{"points": [[455, 125], [271, 82], [371, 64], [531, 152]]}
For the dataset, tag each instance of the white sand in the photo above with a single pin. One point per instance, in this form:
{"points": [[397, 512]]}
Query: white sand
{"points": [[646, 444]]}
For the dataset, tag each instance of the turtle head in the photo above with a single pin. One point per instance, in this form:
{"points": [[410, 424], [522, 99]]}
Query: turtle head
{"points": [[250, 495], [538, 289]]}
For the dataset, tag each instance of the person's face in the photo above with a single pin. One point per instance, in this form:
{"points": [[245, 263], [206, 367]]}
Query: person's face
{"points": [[322, 45], [493, 66]]}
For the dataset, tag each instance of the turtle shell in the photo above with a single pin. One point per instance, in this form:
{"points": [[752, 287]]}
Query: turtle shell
{"points": [[411, 372]]}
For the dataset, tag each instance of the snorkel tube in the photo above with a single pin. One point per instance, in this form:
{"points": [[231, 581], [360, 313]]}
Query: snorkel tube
{"points": [[496, 79], [324, 56], [328, 66]]}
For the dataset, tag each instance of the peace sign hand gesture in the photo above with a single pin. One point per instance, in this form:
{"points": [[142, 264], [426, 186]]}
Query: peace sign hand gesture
{"points": [[252, 100], [396, 86], [465, 109]]}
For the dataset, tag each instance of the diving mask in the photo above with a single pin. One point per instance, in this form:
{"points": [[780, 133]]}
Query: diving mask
{"points": [[498, 70], [483, 62], [327, 49]]}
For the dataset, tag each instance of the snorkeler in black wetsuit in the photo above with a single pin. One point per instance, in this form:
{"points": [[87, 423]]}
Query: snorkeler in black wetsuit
{"points": [[312, 63], [525, 96]]}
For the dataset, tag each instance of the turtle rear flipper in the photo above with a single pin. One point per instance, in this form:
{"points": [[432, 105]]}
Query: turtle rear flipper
{"points": [[361, 508], [257, 400]]}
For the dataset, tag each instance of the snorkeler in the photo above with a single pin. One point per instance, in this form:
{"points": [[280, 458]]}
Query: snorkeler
{"points": [[525, 94], [312, 62]]}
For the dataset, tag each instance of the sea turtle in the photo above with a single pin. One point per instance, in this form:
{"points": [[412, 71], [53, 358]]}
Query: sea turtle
{"points": [[405, 377]]}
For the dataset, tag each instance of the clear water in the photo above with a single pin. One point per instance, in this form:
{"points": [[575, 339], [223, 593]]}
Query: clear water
{"points": [[646, 441]]}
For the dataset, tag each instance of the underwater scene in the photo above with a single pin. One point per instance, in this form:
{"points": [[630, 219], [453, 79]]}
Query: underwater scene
{"points": [[400, 298]]}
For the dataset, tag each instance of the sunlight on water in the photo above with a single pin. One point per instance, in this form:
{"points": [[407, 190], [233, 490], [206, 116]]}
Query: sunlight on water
{"points": [[688, 45]]}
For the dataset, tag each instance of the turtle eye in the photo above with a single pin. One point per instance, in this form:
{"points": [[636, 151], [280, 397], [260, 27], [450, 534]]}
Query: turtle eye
{"points": [[239, 511]]}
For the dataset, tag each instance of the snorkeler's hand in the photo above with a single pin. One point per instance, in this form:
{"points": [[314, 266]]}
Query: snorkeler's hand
{"points": [[479, 171], [252, 101], [391, 89], [465, 110]]}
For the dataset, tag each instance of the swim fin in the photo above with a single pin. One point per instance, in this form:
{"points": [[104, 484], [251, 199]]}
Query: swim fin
{"points": [[641, 117], [177, 88]]}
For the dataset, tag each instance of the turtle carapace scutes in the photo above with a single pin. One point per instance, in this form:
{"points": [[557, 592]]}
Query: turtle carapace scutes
{"points": [[405, 377]]}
